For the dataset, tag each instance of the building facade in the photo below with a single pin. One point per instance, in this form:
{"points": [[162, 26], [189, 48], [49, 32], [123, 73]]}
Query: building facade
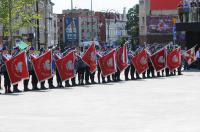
{"points": [[156, 20]]}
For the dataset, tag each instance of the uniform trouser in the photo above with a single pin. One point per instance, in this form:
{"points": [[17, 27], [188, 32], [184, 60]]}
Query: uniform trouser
{"points": [[193, 14], [117, 75], [42, 84], [6, 82], [99, 74], [81, 73], [34, 80], [126, 72], [87, 74], [73, 81], [58, 78], [26, 83], [186, 17], [114, 77], [150, 71], [181, 17], [92, 76], [198, 14], [67, 83], [15, 88], [186, 66], [144, 74], [179, 70], [167, 71], [132, 72], [198, 63], [50, 82], [108, 78]]}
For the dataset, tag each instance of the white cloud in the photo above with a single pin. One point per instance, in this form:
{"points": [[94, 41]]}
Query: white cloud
{"points": [[98, 5]]}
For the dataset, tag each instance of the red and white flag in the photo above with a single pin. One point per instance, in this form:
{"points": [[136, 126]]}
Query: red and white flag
{"points": [[43, 66], [158, 60], [90, 58], [17, 68], [174, 59], [107, 63], [122, 58], [65, 66], [190, 56], [140, 62]]}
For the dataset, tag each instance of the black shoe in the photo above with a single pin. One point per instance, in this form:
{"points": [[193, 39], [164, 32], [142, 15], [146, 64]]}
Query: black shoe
{"points": [[17, 91], [52, 87], [26, 89], [67, 85]]}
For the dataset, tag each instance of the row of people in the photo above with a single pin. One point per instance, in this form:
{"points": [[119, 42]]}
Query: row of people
{"points": [[81, 69]]}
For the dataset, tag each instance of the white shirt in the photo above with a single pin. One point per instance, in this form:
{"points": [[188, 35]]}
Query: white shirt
{"points": [[198, 54]]}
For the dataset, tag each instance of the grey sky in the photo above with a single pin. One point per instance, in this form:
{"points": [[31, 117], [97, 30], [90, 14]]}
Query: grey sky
{"points": [[98, 5]]}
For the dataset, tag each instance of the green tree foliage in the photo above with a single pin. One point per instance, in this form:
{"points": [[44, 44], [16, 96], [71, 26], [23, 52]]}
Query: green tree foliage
{"points": [[133, 23], [15, 14]]}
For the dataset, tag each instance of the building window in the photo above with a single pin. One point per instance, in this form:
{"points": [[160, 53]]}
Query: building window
{"points": [[143, 20]]}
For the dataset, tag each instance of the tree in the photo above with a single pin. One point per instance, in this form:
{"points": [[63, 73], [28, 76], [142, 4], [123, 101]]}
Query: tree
{"points": [[16, 14], [132, 25]]}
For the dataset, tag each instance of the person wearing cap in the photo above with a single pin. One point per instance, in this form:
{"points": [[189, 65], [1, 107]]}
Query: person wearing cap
{"points": [[15, 52], [6, 57]]}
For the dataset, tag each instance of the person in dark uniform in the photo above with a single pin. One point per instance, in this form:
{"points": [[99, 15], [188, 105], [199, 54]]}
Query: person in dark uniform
{"points": [[50, 80], [150, 70], [180, 11], [29, 70], [57, 53], [127, 70], [15, 51], [34, 80], [5, 57], [42, 51], [198, 10], [80, 70]]}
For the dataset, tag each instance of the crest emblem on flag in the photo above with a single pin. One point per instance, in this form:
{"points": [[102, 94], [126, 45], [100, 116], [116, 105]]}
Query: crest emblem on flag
{"points": [[110, 62], [161, 59], [19, 67], [143, 61], [70, 65]]}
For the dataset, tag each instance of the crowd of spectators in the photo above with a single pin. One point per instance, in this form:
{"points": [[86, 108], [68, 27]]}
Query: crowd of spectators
{"points": [[189, 11]]}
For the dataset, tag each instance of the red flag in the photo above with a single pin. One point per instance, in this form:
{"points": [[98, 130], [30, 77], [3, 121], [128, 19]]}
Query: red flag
{"points": [[43, 66], [65, 66], [140, 62], [190, 56], [107, 63], [174, 59], [158, 60], [122, 58], [17, 68], [90, 58]]}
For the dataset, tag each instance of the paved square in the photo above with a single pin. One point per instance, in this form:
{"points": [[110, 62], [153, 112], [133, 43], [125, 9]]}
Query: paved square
{"points": [[154, 105]]}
